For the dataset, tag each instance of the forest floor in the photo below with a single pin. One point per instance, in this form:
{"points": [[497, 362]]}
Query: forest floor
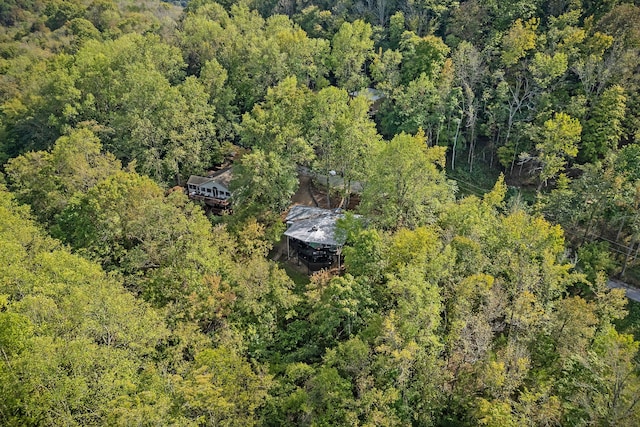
{"points": [[313, 192], [303, 195]]}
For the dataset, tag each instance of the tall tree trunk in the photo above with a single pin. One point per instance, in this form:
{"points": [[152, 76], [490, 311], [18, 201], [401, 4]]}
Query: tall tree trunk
{"points": [[328, 189], [627, 257], [472, 144], [586, 231], [515, 150], [455, 141], [622, 224]]}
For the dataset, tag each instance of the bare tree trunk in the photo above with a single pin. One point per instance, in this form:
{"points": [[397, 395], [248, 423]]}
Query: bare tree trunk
{"points": [[519, 95], [539, 184], [347, 192], [455, 141], [328, 189], [515, 150], [472, 144], [622, 224], [495, 143], [586, 231], [626, 258]]}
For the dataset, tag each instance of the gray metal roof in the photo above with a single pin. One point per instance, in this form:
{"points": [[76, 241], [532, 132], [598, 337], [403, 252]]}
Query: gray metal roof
{"points": [[314, 225], [222, 177], [198, 180], [299, 212]]}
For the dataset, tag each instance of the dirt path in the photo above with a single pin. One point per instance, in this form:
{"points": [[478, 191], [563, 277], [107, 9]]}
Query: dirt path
{"points": [[303, 195], [309, 194]]}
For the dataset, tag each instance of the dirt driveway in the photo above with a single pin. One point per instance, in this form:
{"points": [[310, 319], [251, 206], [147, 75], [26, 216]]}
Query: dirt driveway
{"points": [[303, 195]]}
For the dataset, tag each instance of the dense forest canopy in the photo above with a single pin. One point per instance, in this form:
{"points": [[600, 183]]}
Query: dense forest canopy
{"points": [[495, 146]]}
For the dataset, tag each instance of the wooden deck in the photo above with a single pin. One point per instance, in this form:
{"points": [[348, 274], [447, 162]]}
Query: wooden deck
{"points": [[215, 205]]}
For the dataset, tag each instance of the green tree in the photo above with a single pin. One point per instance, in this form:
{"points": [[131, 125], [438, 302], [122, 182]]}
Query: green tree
{"points": [[332, 398], [73, 339], [221, 388], [406, 186], [603, 384], [520, 39], [131, 92], [594, 258], [342, 135], [215, 80], [546, 68], [340, 308], [423, 104], [277, 125], [263, 298], [58, 12], [603, 130], [424, 16], [351, 46], [375, 401], [469, 70], [396, 28], [385, 70], [364, 255], [35, 117], [166, 135], [48, 180], [262, 185], [163, 246], [421, 55], [558, 139], [256, 53]]}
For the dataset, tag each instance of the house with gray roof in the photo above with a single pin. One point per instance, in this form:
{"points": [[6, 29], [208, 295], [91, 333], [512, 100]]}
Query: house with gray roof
{"points": [[215, 186], [312, 236]]}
